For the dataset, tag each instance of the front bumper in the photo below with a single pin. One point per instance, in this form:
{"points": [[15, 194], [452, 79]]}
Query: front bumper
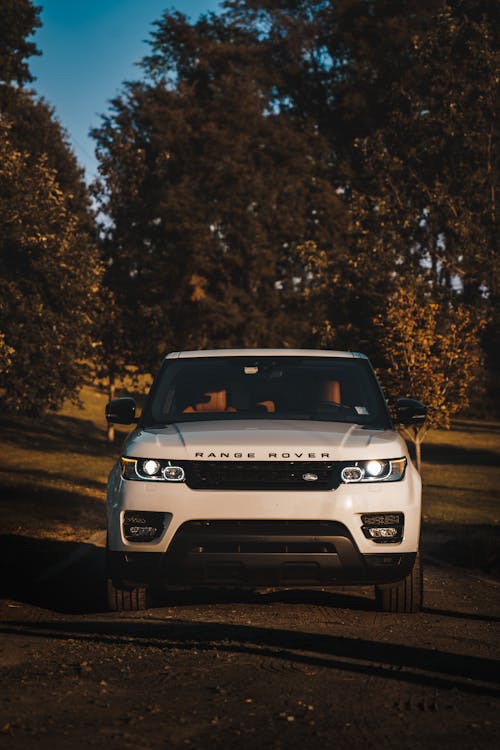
{"points": [[259, 554], [262, 538]]}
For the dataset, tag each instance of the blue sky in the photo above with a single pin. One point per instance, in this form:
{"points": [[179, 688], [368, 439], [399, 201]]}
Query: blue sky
{"points": [[89, 47]]}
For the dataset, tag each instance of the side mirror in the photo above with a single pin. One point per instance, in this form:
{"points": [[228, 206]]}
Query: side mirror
{"points": [[121, 411], [410, 411]]}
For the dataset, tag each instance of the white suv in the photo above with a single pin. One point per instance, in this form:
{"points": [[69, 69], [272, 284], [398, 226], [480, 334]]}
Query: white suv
{"points": [[264, 467]]}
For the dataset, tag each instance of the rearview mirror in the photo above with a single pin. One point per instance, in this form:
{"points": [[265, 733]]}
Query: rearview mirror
{"points": [[121, 411], [410, 411]]}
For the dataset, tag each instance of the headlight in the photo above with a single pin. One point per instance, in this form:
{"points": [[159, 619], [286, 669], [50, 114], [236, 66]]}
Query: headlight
{"points": [[380, 470], [151, 470]]}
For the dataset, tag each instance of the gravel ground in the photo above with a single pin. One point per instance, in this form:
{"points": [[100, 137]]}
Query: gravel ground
{"points": [[267, 669]]}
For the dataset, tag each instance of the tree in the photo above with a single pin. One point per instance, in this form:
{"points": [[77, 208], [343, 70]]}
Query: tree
{"points": [[290, 164], [432, 352], [49, 287], [208, 190], [34, 127], [20, 18], [343, 65], [50, 270], [429, 172], [406, 95]]}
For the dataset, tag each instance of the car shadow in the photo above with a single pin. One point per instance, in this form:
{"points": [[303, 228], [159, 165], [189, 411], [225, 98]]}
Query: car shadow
{"points": [[66, 577], [70, 578], [475, 547]]}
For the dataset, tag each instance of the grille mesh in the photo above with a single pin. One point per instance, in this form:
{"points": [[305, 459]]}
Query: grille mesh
{"points": [[262, 475]]}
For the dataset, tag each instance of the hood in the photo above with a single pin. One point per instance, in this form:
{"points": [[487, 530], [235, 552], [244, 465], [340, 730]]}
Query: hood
{"points": [[255, 440]]}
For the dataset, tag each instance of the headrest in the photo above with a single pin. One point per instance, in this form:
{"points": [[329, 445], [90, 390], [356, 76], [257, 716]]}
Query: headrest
{"points": [[331, 391]]}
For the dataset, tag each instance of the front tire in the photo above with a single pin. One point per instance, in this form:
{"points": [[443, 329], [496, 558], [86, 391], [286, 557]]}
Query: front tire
{"points": [[403, 597], [127, 599]]}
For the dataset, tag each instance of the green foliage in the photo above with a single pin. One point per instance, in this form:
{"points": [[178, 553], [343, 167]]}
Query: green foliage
{"points": [[49, 286]]}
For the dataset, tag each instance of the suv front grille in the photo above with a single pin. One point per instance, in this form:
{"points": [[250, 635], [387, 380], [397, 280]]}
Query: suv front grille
{"points": [[262, 475]]}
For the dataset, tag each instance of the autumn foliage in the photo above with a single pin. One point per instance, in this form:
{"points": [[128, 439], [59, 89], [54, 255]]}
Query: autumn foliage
{"points": [[432, 350]]}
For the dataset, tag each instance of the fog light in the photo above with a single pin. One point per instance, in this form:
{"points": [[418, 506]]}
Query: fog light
{"points": [[142, 531], [382, 532], [383, 528], [143, 526]]}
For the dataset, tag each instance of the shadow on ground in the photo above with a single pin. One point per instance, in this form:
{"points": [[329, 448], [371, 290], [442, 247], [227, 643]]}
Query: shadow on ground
{"points": [[456, 455], [25, 509], [60, 576], [70, 577], [475, 547], [474, 426], [392, 661], [56, 433]]}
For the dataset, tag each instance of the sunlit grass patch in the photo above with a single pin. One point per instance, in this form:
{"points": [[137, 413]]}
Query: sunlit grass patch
{"points": [[473, 502], [54, 471], [461, 474]]}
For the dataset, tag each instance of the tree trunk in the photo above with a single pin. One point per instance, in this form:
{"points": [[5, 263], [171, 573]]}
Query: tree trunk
{"points": [[111, 395], [415, 435], [418, 453]]}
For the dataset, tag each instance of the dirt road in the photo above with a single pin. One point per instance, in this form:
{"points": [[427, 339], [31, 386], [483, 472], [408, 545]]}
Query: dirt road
{"points": [[308, 669]]}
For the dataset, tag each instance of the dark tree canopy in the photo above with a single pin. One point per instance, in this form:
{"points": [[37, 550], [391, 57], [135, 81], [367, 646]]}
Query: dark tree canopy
{"points": [[50, 271], [18, 21], [405, 93], [282, 168], [34, 128], [49, 287], [209, 190]]}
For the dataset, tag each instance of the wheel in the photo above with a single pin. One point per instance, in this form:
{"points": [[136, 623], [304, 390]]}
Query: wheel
{"points": [[405, 596], [127, 599]]}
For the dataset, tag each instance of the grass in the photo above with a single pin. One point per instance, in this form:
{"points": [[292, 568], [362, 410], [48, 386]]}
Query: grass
{"points": [[54, 470], [461, 498], [461, 473]]}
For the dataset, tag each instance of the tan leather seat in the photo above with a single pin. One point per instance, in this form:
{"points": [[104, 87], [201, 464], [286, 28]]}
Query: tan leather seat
{"points": [[216, 402], [269, 406]]}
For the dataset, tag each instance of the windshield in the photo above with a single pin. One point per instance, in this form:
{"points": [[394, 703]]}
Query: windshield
{"points": [[229, 388]]}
